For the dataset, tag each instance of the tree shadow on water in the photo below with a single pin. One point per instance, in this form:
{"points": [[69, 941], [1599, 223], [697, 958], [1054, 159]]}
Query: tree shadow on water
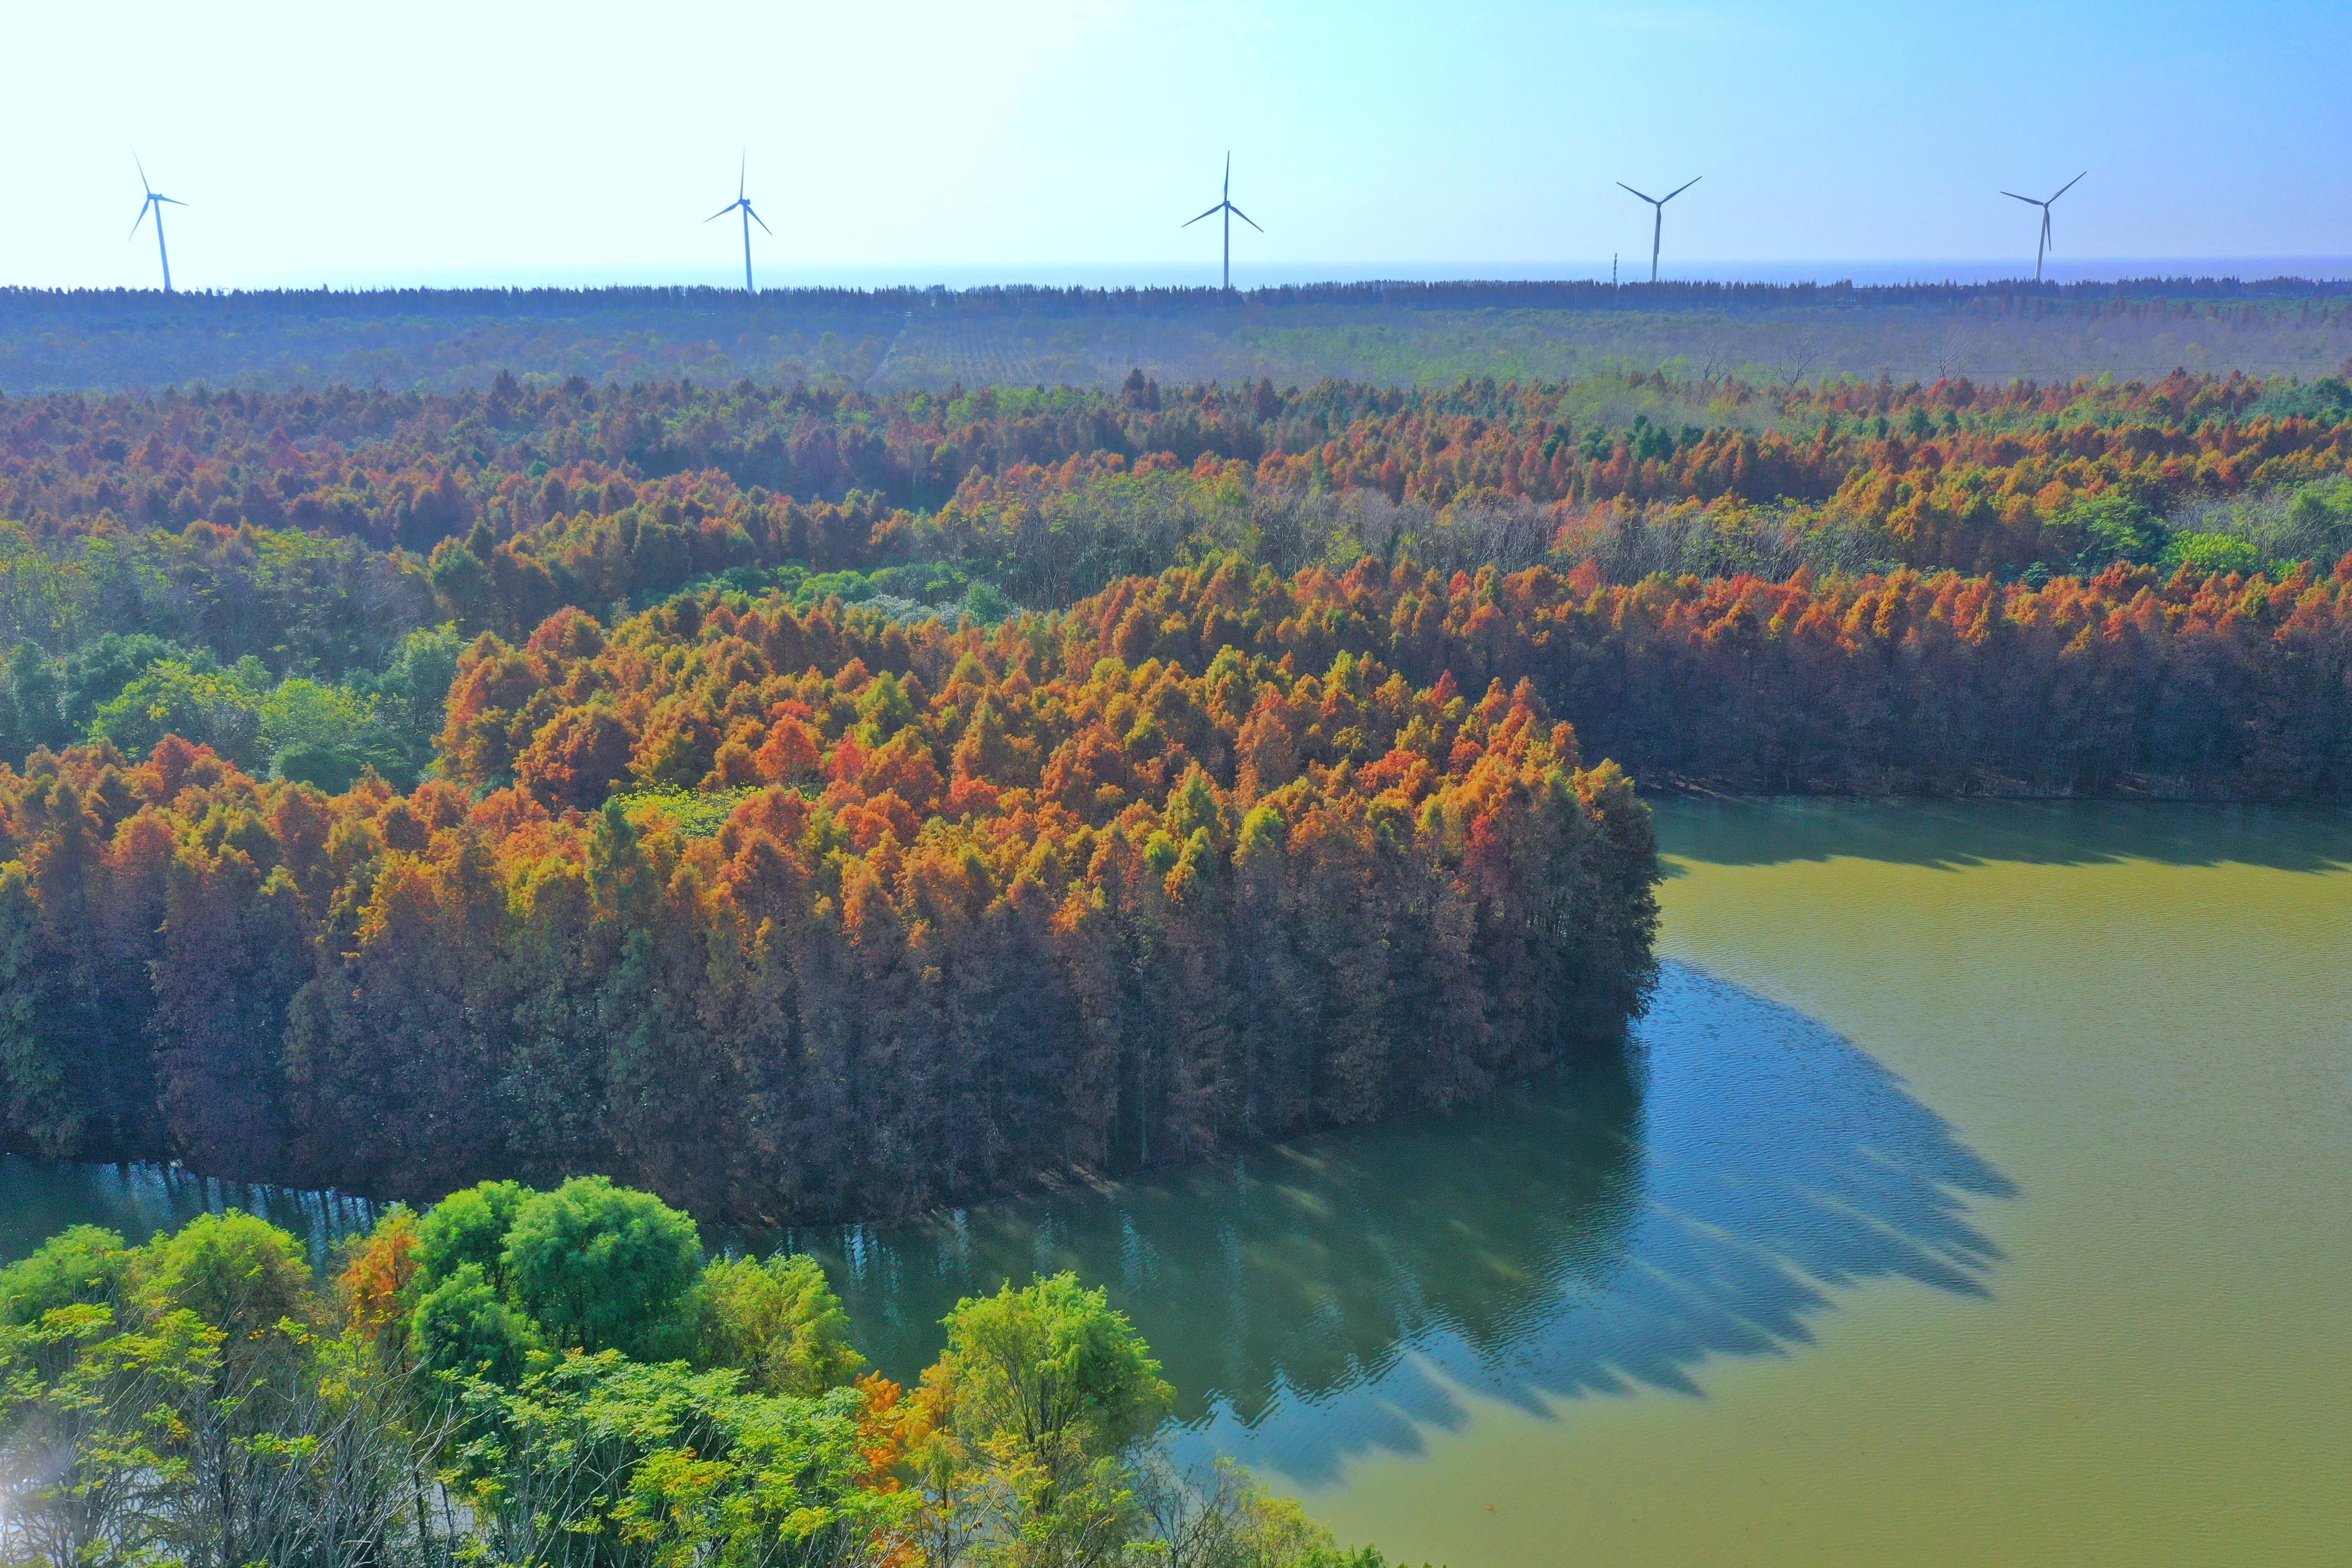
{"points": [[1603, 1230]]}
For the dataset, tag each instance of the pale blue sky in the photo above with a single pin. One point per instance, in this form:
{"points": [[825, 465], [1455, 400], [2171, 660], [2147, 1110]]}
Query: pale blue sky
{"points": [[584, 143]]}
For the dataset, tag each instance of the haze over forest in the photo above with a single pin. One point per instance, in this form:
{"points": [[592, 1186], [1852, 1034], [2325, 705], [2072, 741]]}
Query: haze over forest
{"points": [[1406, 333]]}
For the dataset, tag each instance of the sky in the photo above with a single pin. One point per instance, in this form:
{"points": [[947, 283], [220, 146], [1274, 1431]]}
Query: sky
{"points": [[901, 140]]}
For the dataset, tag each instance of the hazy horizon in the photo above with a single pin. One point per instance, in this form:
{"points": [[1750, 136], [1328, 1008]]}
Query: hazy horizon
{"points": [[447, 140], [1149, 275]]}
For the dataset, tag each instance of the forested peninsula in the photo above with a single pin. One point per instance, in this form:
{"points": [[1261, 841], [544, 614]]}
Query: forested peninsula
{"points": [[925, 913]]}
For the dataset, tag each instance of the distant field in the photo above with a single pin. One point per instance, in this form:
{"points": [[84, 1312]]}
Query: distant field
{"points": [[1403, 334], [1798, 344]]}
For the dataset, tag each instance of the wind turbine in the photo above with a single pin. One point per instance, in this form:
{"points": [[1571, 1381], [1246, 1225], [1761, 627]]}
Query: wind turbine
{"points": [[155, 202], [2042, 244], [749, 218], [1225, 205], [1658, 225]]}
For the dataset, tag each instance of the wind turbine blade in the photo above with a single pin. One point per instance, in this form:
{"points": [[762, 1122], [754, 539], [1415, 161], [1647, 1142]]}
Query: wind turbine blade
{"points": [[143, 175], [743, 171], [1678, 190], [2029, 201], [1623, 186], [722, 212], [173, 200], [755, 217], [2068, 186], [141, 218], [1246, 218], [1210, 213]]}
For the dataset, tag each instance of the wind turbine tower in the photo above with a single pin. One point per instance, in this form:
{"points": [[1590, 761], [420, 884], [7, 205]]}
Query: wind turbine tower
{"points": [[1658, 219], [155, 202], [2042, 246], [743, 203], [1225, 205]]}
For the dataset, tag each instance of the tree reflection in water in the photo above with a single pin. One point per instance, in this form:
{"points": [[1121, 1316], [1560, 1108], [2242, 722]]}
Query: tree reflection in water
{"points": [[1595, 1231], [1707, 1194]]}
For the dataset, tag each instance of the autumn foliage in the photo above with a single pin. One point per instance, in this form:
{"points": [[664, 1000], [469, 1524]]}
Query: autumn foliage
{"points": [[2129, 682], [983, 907], [585, 494]]}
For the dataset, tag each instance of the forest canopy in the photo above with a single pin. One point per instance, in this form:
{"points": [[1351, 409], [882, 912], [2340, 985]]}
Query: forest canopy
{"points": [[183, 556]]}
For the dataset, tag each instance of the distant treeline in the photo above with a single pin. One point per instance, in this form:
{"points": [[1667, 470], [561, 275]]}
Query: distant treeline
{"points": [[1417, 332], [1466, 294], [2128, 682], [1956, 474]]}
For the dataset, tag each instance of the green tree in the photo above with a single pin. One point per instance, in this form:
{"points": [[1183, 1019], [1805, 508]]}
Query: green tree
{"points": [[2210, 552], [28, 703], [410, 693], [212, 707], [462, 1325], [779, 1321], [95, 673], [81, 1266], [470, 1226], [322, 735], [95, 1461], [1040, 1397], [208, 1423], [601, 1462], [2112, 527], [237, 1272], [2318, 525], [601, 1267], [1049, 1364]]}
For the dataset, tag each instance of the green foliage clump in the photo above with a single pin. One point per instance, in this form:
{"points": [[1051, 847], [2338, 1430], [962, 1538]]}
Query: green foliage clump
{"points": [[195, 1399], [2318, 522], [236, 1273], [690, 813], [132, 690], [1051, 1363], [2327, 400], [906, 593], [602, 1266], [2112, 527], [469, 1227], [596, 1458], [82, 1266], [464, 1326], [215, 707], [778, 1321], [2205, 553]]}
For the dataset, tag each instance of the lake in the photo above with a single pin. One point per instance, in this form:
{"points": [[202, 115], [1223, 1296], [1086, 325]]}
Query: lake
{"points": [[1975, 1192]]}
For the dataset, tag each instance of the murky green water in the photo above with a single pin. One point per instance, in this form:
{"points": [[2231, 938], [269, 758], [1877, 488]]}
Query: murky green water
{"points": [[1978, 1195]]}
